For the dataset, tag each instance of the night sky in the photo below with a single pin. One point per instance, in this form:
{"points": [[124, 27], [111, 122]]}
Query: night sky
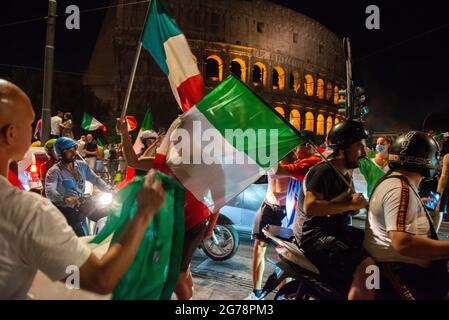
{"points": [[404, 66]]}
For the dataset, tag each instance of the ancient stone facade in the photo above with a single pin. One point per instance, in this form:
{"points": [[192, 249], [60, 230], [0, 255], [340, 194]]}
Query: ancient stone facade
{"points": [[293, 62]]}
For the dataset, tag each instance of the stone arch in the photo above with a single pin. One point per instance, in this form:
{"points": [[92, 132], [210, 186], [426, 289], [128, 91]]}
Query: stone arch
{"points": [[238, 68], [320, 125], [329, 124], [308, 85], [295, 119], [214, 68], [294, 81], [310, 122], [278, 78], [329, 91], [259, 74], [320, 88]]}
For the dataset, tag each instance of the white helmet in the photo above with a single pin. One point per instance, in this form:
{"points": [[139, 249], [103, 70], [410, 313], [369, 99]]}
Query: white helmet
{"points": [[148, 134]]}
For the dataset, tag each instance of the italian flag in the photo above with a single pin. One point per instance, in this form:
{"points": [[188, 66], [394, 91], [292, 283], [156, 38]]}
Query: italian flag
{"points": [[241, 133], [89, 123], [132, 123], [170, 49], [147, 124]]}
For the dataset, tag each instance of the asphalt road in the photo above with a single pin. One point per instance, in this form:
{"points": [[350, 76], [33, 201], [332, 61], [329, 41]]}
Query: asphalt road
{"points": [[227, 280]]}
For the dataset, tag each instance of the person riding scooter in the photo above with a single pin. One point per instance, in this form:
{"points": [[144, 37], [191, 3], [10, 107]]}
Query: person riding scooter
{"points": [[400, 234], [66, 181], [325, 206], [52, 160]]}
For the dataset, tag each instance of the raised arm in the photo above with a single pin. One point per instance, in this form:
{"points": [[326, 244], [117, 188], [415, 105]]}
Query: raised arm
{"points": [[128, 150]]}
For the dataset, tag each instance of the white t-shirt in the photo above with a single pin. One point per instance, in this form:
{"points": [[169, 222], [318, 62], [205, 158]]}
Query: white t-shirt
{"points": [[56, 125], [34, 235], [394, 207]]}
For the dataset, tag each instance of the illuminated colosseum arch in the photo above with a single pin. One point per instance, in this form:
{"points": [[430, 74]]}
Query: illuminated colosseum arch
{"points": [[320, 125], [320, 89], [281, 111], [310, 122], [336, 95], [238, 68], [295, 119], [329, 124], [259, 74], [278, 78], [308, 85], [294, 81], [214, 68], [329, 91]]}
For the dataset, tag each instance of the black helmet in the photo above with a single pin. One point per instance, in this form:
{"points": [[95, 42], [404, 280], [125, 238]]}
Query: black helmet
{"points": [[345, 133], [416, 152]]}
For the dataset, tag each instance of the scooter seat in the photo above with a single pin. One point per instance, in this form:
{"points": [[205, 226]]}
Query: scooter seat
{"points": [[281, 233], [293, 253]]}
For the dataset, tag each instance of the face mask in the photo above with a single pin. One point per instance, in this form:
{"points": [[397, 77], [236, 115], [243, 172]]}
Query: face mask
{"points": [[380, 148]]}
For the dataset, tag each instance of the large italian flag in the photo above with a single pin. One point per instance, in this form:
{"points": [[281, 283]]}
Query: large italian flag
{"points": [[236, 129], [169, 47], [89, 123]]}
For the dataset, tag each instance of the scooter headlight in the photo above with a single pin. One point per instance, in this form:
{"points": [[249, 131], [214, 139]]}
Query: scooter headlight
{"points": [[105, 199]]}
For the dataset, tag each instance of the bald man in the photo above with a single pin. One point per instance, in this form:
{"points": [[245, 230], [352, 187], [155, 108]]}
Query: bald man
{"points": [[34, 235]]}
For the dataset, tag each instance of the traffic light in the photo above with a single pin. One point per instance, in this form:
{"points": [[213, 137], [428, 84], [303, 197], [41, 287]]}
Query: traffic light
{"points": [[343, 103], [361, 109]]}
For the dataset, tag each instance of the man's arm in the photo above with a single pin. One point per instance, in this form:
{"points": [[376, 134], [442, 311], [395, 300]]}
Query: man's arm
{"points": [[128, 150], [102, 275], [315, 205], [298, 169], [51, 184], [92, 177], [419, 247]]}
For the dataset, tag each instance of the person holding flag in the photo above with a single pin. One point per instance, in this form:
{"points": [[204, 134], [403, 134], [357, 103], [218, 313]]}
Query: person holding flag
{"points": [[43, 240], [199, 221]]}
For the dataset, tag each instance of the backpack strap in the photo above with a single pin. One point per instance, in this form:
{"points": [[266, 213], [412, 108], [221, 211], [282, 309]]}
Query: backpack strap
{"points": [[433, 233]]}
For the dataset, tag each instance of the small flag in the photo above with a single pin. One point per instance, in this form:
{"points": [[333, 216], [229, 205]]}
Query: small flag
{"points": [[132, 123], [169, 47], [147, 124], [99, 143], [89, 123]]}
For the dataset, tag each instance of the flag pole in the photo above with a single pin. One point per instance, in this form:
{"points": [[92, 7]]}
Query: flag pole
{"points": [[131, 80], [134, 69]]}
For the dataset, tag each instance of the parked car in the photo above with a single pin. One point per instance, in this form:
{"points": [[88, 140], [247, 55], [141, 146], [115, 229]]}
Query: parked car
{"points": [[236, 217]]}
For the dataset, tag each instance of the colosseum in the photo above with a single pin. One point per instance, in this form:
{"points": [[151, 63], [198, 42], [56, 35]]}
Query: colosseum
{"points": [[293, 62]]}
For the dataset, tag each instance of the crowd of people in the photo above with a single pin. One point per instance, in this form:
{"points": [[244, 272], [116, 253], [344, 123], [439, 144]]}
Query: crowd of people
{"points": [[312, 189], [389, 184]]}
